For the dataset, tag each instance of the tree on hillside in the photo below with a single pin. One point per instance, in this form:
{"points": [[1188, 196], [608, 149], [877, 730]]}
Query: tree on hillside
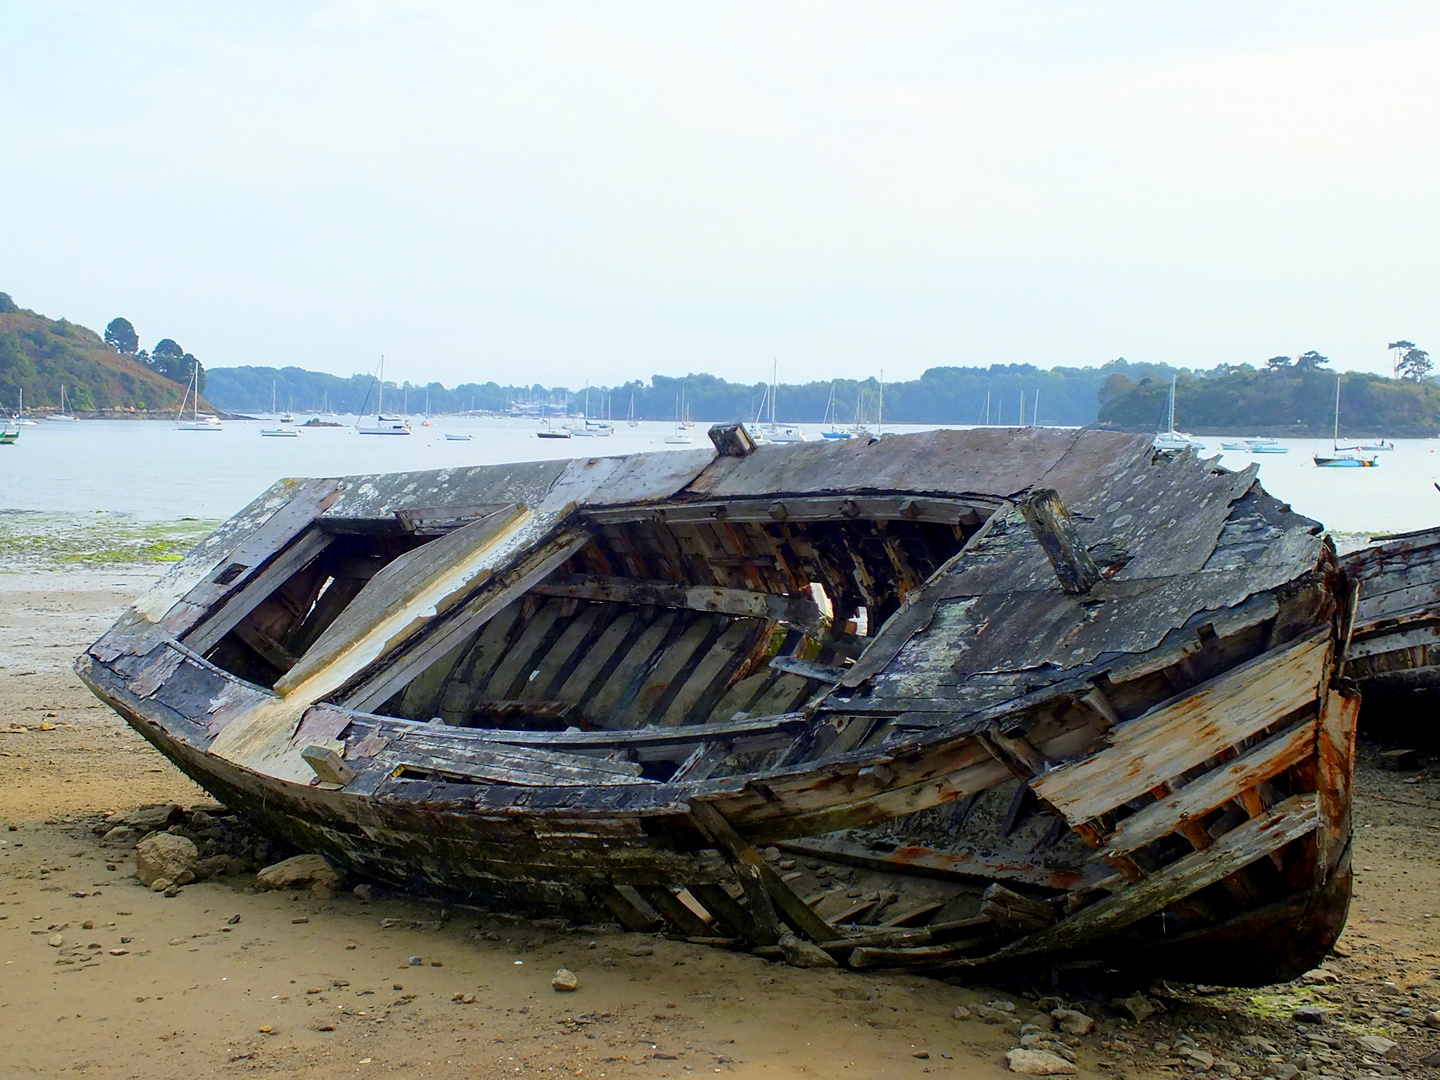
{"points": [[1397, 353], [167, 358], [7, 306], [1310, 361], [121, 336], [1414, 364], [1277, 363]]}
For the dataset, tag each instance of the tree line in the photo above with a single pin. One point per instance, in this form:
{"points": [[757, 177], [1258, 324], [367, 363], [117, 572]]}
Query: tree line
{"points": [[167, 358]]}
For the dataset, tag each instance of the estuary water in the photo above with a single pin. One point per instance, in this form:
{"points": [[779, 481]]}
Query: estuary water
{"points": [[153, 470]]}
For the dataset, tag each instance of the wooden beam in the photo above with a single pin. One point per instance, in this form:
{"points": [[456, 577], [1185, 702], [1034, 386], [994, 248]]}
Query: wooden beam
{"points": [[1183, 732], [1055, 531], [803, 508], [789, 906], [1241, 846], [800, 612], [808, 669], [671, 907], [965, 866], [289, 562], [1214, 789], [732, 440]]}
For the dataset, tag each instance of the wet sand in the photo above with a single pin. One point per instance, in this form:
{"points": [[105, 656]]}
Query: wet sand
{"points": [[162, 986]]}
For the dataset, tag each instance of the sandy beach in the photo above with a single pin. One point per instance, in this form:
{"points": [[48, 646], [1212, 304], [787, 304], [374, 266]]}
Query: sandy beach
{"points": [[102, 977]]}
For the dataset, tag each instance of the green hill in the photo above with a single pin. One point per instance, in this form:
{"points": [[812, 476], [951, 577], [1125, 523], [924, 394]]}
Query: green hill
{"points": [[39, 354], [1285, 402]]}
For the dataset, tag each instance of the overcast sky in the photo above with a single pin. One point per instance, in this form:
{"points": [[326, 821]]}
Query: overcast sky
{"points": [[557, 192]]}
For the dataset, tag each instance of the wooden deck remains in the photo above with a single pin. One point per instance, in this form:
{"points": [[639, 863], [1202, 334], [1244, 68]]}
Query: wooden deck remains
{"points": [[945, 701]]}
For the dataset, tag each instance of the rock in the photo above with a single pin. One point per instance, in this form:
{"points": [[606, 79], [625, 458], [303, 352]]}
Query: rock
{"points": [[1038, 1063], [1432, 1060], [1389, 989], [152, 816], [1310, 1014], [1319, 977], [416, 961], [163, 855], [1073, 1022], [172, 891], [1002, 1005], [633, 950], [1375, 1044], [365, 891], [1041, 1022], [160, 884], [804, 954], [301, 871], [1400, 760], [120, 834], [1284, 1072], [212, 867], [991, 1015], [565, 980], [1432, 1019], [1138, 1007], [1200, 1060], [56, 941], [961, 1013]]}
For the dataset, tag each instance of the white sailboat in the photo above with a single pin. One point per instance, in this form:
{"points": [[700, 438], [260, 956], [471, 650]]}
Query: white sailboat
{"points": [[679, 438], [208, 422], [1170, 440], [834, 432], [1349, 458], [630, 420], [591, 429], [383, 425], [290, 432], [62, 414], [20, 419], [775, 432]]}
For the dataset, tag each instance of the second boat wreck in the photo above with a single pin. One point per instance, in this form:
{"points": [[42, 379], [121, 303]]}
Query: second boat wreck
{"points": [[949, 700]]}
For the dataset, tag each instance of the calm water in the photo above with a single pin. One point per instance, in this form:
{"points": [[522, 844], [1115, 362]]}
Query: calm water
{"points": [[154, 470]]}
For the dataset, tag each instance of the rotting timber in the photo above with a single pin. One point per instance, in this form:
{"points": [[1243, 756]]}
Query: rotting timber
{"points": [[1394, 648], [949, 701]]}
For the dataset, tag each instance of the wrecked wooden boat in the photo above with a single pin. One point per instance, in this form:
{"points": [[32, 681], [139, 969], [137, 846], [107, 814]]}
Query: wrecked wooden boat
{"points": [[955, 700], [1394, 650]]}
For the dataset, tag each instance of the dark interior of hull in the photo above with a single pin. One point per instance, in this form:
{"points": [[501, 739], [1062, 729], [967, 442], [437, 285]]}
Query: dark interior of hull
{"points": [[668, 616]]}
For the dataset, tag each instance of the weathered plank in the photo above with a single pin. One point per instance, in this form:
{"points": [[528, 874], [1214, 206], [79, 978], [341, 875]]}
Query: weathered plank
{"points": [[967, 866], [1392, 640], [693, 701], [650, 697], [1241, 846], [621, 685], [1181, 734], [807, 669], [801, 612], [1214, 789], [789, 906], [1335, 772], [1054, 530]]}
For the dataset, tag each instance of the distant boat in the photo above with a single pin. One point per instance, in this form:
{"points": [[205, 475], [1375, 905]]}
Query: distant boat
{"points": [[1338, 458], [456, 436], [780, 433], [1235, 446], [551, 432], [20, 419], [281, 433], [9, 436], [591, 429], [1170, 441], [630, 420], [1378, 444], [383, 425], [834, 432], [208, 422], [62, 414], [679, 438]]}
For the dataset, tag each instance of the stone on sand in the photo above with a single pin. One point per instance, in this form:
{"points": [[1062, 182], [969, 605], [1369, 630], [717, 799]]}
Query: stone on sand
{"points": [[1073, 1022], [565, 980], [1038, 1063], [165, 855], [803, 954], [312, 871]]}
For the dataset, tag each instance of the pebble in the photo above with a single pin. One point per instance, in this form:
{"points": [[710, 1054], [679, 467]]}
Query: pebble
{"points": [[301, 919], [640, 950], [1038, 1063], [1073, 1022], [364, 891], [56, 941], [1432, 1019], [1139, 1007], [804, 954], [961, 1013], [564, 980], [119, 952], [1310, 1014], [416, 961], [1375, 1044]]}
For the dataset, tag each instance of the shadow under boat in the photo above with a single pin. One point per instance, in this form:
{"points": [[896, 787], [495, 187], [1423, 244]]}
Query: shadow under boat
{"points": [[951, 700]]}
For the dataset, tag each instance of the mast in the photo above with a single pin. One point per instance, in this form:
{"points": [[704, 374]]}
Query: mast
{"points": [[880, 408], [1335, 440], [1035, 412], [987, 408]]}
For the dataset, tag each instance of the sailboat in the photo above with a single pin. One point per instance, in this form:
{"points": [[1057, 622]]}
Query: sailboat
{"points": [[208, 422], [679, 438], [62, 414], [20, 419], [1347, 458], [591, 429], [630, 420], [291, 432], [834, 432], [426, 421], [384, 425], [780, 433], [1168, 441], [549, 431]]}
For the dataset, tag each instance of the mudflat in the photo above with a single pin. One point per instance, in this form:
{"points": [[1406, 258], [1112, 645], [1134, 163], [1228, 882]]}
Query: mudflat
{"points": [[99, 976]]}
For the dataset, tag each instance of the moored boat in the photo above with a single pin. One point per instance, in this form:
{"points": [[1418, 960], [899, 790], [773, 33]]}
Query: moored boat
{"points": [[601, 687]]}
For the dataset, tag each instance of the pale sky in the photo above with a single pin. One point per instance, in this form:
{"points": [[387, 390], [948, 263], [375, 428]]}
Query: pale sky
{"points": [[557, 192]]}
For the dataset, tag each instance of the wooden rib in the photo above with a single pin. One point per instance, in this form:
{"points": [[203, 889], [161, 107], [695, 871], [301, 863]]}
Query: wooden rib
{"points": [[1335, 764], [1241, 846], [789, 906], [674, 909], [1214, 789], [725, 908], [1181, 734], [707, 682], [564, 652], [967, 866], [621, 682], [473, 670], [650, 699], [224, 618], [579, 682], [519, 659], [801, 612], [626, 910]]}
